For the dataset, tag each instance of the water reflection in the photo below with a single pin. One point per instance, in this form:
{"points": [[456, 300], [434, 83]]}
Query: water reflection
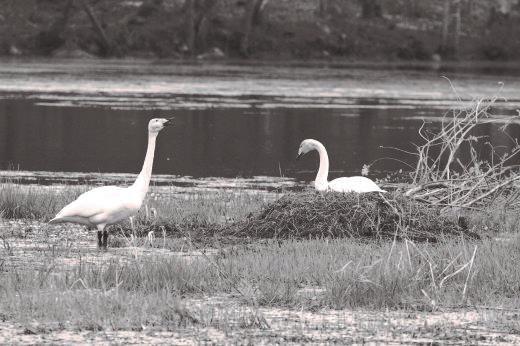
{"points": [[208, 142]]}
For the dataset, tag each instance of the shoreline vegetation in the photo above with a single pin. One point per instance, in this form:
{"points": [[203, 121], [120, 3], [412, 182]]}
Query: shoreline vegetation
{"points": [[179, 270], [263, 30]]}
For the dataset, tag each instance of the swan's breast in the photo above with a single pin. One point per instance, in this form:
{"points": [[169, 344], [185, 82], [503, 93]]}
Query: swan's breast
{"points": [[321, 186]]}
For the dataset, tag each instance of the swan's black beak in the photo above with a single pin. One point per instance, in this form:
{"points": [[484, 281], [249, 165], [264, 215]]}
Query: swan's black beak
{"points": [[299, 156], [169, 121]]}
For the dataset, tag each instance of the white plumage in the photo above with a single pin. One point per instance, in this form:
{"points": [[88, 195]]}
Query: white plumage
{"points": [[344, 184], [108, 205]]}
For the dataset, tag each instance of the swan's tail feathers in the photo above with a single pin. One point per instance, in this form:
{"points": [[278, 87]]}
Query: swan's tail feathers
{"points": [[56, 220], [72, 219]]}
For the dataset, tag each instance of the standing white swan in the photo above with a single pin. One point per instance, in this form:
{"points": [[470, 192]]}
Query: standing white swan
{"points": [[108, 205], [350, 184]]}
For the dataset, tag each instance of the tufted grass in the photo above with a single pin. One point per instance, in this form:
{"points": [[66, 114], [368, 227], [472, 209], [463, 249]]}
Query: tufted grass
{"points": [[344, 273]]}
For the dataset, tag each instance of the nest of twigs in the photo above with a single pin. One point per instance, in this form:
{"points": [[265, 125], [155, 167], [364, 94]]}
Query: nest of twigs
{"points": [[336, 215]]}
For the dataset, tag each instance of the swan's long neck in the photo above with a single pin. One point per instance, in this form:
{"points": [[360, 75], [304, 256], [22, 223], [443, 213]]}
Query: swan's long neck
{"points": [[143, 179], [323, 171]]}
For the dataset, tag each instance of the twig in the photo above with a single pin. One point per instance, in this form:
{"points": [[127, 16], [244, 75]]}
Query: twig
{"points": [[492, 191], [469, 272]]}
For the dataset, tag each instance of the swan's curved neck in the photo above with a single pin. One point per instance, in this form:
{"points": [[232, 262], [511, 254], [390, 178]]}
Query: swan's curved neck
{"points": [[323, 171], [143, 179]]}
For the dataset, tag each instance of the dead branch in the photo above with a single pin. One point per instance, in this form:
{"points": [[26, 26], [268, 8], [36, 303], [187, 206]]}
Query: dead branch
{"points": [[442, 179]]}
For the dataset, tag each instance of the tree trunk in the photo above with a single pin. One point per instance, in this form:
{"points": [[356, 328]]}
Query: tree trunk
{"points": [[59, 25], [322, 8], [371, 9], [190, 23], [203, 15], [51, 39], [412, 8], [445, 25], [458, 28], [258, 10], [247, 25], [105, 43]]}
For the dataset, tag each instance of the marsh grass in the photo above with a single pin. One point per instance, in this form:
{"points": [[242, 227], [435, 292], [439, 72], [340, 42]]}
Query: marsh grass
{"points": [[34, 202], [99, 310], [164, 214], [353, 274], [199, 218], [162, 205]]}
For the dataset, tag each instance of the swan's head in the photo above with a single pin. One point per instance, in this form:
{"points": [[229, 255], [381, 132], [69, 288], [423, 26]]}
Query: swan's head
{"points": [[308, 145], [157, 124]]}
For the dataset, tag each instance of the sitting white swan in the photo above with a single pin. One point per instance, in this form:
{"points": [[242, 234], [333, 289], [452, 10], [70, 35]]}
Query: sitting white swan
{"points": [[108, 205], [350, 184]]}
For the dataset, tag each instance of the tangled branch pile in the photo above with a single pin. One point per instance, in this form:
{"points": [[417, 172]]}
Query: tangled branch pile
{"points": [[312, 214], [443, 178]]}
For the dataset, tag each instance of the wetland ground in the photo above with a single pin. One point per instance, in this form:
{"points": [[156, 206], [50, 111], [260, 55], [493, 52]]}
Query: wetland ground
{"points": [[185, 283], [58, 288]]}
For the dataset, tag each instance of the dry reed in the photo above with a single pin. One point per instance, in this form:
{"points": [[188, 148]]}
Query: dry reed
{"points": [[443, 178]]}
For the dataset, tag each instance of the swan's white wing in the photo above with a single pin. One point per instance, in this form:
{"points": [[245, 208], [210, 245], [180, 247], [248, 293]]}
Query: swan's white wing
{"points": [[110, 202], [354, 184]]}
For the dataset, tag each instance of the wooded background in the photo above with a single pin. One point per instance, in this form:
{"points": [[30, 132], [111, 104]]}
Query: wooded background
{"points": [[263, 29]]}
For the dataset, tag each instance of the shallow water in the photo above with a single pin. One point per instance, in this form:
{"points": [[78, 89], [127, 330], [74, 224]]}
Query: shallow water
{"points": [[231, 121]]}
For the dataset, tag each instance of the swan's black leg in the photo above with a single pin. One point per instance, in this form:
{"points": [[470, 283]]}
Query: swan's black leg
{"points": [[100, 239], [105, 239]]}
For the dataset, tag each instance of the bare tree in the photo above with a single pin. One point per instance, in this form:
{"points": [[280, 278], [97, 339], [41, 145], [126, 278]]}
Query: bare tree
{"points": [[258, 11], [51, 39], [190, 25], [322, 7], [445, 24], [451, 19], [458, 28], [413, 8], [371, 9], [104, 41], [198, 14], [252, 15], [59, 25]]}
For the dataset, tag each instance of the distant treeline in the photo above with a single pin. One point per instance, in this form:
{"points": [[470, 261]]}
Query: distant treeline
{"points": [[263, 29]]}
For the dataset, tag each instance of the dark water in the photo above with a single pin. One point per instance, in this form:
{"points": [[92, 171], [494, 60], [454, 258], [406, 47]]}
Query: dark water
{"points": [[220, 131], [208, 142]]}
